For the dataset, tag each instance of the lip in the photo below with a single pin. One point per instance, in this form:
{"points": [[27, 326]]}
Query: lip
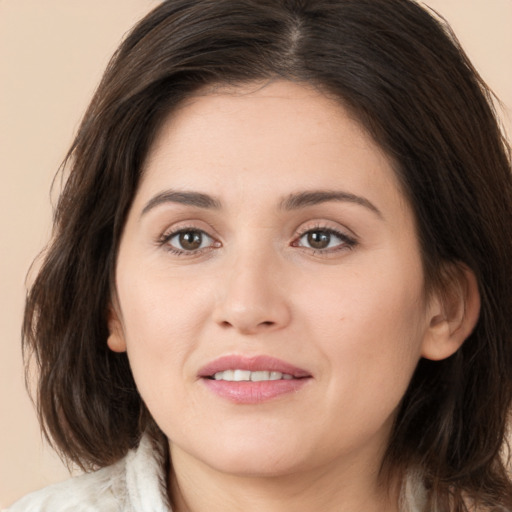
{"points": [[253, 364], [248, 392]]}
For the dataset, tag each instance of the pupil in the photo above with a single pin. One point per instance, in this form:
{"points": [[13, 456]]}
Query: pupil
{"points": [[319, 239], [191, 240]]}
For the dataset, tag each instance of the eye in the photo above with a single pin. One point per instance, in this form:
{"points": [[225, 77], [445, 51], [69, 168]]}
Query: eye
{"points": [[324, 239], [188, 240]]}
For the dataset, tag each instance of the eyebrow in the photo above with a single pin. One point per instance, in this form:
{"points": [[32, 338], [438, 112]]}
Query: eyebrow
{"points": [[196, 199], [292, 202], [311, 198]]}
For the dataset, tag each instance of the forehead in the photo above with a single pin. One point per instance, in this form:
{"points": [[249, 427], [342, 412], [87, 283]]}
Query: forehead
{"points": [[265, 139]]}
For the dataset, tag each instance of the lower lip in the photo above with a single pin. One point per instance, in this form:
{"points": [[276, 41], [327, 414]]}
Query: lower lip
{"points": [[247, 392]]}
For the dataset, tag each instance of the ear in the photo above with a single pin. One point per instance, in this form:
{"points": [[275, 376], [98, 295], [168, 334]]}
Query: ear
{"points": [[116, 339], [453, 313]]}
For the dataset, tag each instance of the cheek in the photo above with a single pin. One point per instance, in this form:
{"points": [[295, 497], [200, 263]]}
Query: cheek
{"points": [[369, 327], [161, 321], [160, 302]]}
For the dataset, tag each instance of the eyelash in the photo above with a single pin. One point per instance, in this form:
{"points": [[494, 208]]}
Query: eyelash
{"points": [[165, 239], [346, 242]]}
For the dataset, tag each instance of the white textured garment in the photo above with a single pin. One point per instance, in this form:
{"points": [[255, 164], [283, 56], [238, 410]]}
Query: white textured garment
{"points": [[137, 484], [134, 484]]}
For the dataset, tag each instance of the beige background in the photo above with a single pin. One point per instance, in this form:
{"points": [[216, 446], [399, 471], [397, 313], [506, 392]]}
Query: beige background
{"points": [[52, 53]]}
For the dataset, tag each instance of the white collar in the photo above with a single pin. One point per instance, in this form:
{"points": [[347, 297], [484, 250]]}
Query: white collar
{"points": [[146, 486]]}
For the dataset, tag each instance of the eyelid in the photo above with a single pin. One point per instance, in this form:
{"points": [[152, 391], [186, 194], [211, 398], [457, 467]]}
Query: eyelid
{"points": [[349, 241], [186, 224], [183, 227]]}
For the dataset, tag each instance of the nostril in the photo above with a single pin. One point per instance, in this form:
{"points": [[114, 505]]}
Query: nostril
{"points": [[250, 318], [268, 323]]}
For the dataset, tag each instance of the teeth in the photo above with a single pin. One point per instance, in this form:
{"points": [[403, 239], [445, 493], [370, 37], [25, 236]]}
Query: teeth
{"points": [[257, 376], [246, 375], [241, 375]]}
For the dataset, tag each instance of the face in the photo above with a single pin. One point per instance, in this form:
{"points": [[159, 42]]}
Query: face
{"points": [[270, 292]]}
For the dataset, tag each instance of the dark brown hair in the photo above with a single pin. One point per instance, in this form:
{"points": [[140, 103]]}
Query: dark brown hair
{"points": [[401, 72]]}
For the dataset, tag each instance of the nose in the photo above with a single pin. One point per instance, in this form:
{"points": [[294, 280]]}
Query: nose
{"points": [[252, 298]]}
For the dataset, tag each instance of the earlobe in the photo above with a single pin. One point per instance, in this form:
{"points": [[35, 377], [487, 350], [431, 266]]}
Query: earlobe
{"points": [[454, 313], [116, 340]]}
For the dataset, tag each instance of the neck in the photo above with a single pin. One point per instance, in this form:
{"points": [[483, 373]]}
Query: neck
{"points": [[196, 487]]}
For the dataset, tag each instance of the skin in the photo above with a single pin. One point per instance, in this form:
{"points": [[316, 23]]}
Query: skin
{"points": [[354, 314]]}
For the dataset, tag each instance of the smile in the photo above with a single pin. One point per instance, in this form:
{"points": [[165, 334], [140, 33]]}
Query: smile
{"points": [[246, 375], [252, 380]]}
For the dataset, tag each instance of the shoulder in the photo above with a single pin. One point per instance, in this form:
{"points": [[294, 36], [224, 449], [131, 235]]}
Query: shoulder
{"points": [[135, 483], [90, 492]]}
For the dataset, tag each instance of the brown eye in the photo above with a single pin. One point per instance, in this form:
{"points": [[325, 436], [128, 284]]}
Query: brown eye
{"points": [[324, 240], [318, 239], [189, 240]]}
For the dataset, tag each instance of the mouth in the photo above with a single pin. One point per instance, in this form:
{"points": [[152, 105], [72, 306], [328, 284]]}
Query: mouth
{"points": [[236, 368], [248, 376], [252, 380]]}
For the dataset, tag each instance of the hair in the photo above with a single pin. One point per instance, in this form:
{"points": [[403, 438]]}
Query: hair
{"points": [[401, 72]]}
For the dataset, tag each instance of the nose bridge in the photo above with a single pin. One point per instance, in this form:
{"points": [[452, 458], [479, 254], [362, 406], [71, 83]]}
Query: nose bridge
{"points": [[252, 298]]}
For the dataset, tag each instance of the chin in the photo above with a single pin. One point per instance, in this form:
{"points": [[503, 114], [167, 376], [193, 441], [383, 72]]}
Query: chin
{"points": [[249, 455], [260, 465]]}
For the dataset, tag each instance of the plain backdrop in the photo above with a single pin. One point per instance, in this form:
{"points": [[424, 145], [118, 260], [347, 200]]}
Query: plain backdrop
{"points": [[52, 55]]}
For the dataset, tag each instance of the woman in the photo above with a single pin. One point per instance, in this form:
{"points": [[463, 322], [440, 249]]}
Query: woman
{"points": [[279, 278]]}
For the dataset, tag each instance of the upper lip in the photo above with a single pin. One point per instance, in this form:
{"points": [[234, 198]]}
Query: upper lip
{"points": [[253, 364]]}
